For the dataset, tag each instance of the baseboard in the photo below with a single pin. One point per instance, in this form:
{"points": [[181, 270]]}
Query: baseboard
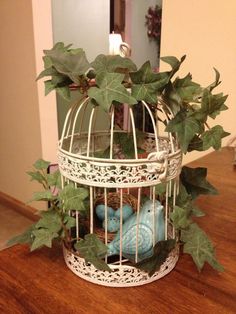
{"points": [[20, 207]]}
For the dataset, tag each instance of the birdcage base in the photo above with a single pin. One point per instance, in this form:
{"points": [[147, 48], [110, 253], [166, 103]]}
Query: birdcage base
{"points": [[122, 275]]}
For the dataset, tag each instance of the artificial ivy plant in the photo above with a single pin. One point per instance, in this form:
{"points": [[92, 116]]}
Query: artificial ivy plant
{"points": [[113, 80]]}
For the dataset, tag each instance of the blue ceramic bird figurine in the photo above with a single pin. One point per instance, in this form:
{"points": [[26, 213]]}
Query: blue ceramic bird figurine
{"points": [[146, 230]]}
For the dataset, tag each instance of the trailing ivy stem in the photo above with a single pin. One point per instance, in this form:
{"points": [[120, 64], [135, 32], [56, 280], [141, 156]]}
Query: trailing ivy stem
{"points": [[67, 238], [207, 125], [45, 184], [74, 239]]}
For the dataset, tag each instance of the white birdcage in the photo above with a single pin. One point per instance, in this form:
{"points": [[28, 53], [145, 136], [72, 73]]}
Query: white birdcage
{"points": [[90, 154]]}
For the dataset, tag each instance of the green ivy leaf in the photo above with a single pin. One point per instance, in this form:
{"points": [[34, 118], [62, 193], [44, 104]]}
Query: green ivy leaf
{"points": [[72, 197], [47, 60], [194, 180], [145, 74], [212, 105], [93, 250], [174, 63], [72, 63], [58, 81], [216, 82], [180, 217], [65, 66], [69, 221], [41, 164], [61, 80], [185, 126], [198, 114], [98, 263], [49, 71], [49, 86], [212, 137], [148, 84], [187, 90], [64, 92], [183, 197], [47, 63], [25, 237], [110, 89], [126, 143], [197, 212], [197, 244], [161, 252], [43, 196], [185, 201], [172, 98], [58, 46], [36, 176], [50, 220], [195, 144], [160, 189], [54, 179], [110, 64], [42, 237]]}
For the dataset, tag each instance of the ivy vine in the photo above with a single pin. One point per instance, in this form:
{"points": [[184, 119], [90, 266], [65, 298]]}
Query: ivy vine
{"points": [[112, 80]]}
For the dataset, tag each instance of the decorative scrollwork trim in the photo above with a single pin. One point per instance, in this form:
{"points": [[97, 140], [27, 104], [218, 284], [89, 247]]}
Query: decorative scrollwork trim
{"points": [[122, 275]]}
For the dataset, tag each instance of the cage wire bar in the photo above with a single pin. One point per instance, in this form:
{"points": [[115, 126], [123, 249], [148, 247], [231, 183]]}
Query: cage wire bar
{"points": [[135, 177]]}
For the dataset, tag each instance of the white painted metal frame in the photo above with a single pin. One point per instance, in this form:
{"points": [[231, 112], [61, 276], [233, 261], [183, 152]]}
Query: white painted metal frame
{"points": [[78, 164]]}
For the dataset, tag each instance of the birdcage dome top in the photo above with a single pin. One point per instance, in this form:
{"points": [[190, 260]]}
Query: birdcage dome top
{"points": [[125, 146]]}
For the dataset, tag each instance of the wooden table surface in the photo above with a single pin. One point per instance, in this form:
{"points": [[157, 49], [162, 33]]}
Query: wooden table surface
{"points": [[40, 282]]}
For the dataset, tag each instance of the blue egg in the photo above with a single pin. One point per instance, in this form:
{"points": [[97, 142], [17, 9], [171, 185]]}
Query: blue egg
{"points": [[126, 212], [113, 224], [100, 211]]}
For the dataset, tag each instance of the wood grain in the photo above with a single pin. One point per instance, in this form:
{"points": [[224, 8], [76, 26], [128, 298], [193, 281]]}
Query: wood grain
{"points": [[39, 282]]}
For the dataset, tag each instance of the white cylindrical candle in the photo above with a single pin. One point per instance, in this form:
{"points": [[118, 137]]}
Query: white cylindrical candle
{"points": [[115, 41]]}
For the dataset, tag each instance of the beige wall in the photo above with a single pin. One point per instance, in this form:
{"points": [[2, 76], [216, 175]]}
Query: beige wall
{"points": [[20, 139], [43, 39], [205, 32]]}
